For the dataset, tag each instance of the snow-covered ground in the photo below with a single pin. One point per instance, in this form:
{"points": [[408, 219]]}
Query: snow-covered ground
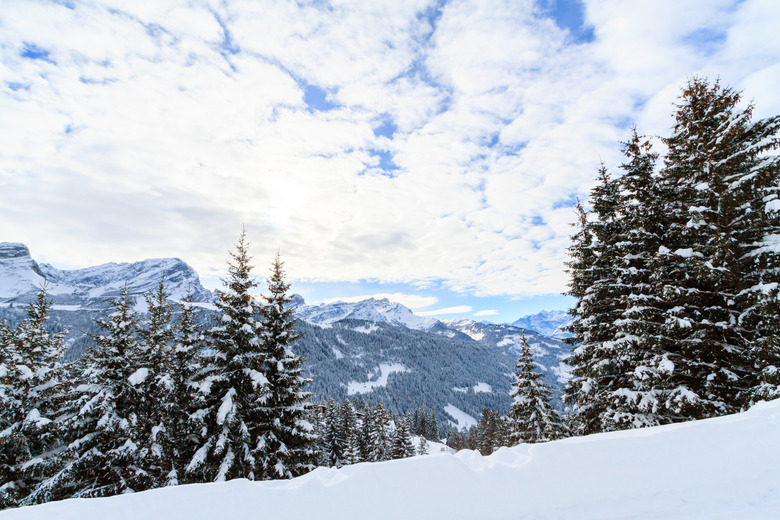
{"points": [[382, 372], [724, 468]]}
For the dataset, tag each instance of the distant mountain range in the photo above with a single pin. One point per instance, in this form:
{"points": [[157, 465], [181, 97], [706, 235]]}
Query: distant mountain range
{"points": [[374, 349]]}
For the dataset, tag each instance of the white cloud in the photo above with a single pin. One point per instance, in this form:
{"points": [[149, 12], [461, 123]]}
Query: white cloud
{"points": [[149, 136], [490, 312], [411, 301], [459, 309]]}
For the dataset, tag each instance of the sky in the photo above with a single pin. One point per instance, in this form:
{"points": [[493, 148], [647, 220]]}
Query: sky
{"points": [[430, 152]]}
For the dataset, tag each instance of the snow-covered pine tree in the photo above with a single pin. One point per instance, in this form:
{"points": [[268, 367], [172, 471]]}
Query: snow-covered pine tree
{"points": [[288, 440], [30, 378], [100, 423], [698, 268], [755, 188], [182, 433], [233, 391], [379, 434], [156, 387], [334, 436], [595, 283], [422, 446], [351, 428], [401, 445], [531, 416], [634, 400]]}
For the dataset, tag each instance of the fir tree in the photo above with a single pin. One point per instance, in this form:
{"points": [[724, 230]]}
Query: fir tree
{"points": [[595, 282], [233, 391], [286, 448], [531, 417], [379, 434], [156, 388], [401, 445], [181, 429], [334, 436], [30, 378], [101, 422]]}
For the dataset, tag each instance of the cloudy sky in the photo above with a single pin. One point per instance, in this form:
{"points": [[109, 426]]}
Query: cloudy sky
{"points": [[427, 150]]}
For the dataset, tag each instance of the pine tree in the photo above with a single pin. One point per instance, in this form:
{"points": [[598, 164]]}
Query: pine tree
{"points": [[101, 422], [334, 436], [699, 268], [233, 390], [634, 399], [182, 432], [422, 446], [531, 417], [595, 283], [286, 449], [351, 429], [30, 377], [156, 388], [401, 445], [379, 434]]}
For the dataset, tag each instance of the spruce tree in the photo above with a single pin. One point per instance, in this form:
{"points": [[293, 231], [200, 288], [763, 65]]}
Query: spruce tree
{"points": [[401, 445], [182, 433], [597, 371], [101, 423], [286, 448], [699, 267], [31, 376], [379, 434], [334, 436], [233, 390], [531, 416], [634, 399], [156, 388]]}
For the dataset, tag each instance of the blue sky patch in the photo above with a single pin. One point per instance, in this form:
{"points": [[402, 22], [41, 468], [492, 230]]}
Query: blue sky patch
{"points": [[386, 129], [569, 15], [316, 98], [706, 40], [33, 52], [386, 163]]}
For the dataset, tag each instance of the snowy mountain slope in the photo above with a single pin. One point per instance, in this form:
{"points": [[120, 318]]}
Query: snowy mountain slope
{"points": [[21, 276], [715, 469], [547, 323], [373, 310]]}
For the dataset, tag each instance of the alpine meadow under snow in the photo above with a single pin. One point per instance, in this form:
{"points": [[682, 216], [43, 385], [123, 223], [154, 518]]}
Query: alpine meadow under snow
{"points": [[715, 469]]}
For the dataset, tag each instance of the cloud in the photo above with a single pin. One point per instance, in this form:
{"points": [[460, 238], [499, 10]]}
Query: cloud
{"points": [[158, 128], [459, 309], [411, 301], [486, 313]]}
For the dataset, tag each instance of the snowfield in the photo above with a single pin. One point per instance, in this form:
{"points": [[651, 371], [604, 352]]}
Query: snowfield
{"points": [[724, 468]]}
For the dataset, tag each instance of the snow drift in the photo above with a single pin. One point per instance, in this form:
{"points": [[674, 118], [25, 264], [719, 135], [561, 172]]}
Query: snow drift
{"points": [[723, 468]]}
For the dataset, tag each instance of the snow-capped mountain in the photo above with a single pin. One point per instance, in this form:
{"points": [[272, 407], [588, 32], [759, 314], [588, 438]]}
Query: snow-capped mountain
{"points": [[373, 310], [21, 276], [548, 323]]}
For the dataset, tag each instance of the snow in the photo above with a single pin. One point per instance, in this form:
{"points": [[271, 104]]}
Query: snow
{"points": [[462, 420], [138, 377], [384, 370], [482, 387], [716, 469]]}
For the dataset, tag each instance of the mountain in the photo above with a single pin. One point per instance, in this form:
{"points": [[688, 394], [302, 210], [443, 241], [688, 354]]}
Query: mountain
{"points": [[548, 323], [21, 277], [378, 350], [79, 296], [373, 310], [373, 350], [721, 468]]}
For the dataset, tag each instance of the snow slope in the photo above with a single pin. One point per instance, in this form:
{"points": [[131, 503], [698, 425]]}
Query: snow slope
{"points": [[371, 309], [716, 469]]}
